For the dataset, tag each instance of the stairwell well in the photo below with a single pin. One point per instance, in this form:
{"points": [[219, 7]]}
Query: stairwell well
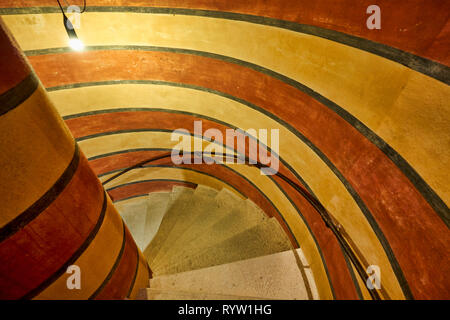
{"points": [[206, 244]]}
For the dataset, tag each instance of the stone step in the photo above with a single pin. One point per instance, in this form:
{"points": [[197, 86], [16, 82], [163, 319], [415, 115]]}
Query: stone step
{"points": [[133, 214], [201, 201], [234, 222], [275, 276], [255, 211], [263, 239], [157, 203], [157, 294], [179, 199], [223, 202]]}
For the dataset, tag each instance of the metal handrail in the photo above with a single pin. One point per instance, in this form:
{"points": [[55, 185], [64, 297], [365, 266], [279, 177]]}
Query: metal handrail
{"points": [[331, 223]]}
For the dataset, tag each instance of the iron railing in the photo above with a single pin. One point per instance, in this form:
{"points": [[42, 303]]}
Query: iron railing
{"points": [[336, 228]]}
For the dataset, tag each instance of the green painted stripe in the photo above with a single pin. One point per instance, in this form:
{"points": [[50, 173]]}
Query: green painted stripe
{"points": [[433, 199], [438, 205], [175, 180], [301, 268], [103, 155], [169, 166], [135, 196], [114, 267], [417, 63], [192, 184], [74, 257], [352, 274], [443, 212], [15, 96], [162, 149], [377, 230], [259, 190], [39, 206], [96, 112], [135, 273]]}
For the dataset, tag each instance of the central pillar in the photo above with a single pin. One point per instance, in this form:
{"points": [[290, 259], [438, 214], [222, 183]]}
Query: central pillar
{"points": [[60, 235]]}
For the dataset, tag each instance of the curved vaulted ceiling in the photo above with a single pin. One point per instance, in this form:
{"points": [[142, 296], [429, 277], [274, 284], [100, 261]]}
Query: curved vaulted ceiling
{"points": [[363, 114]]}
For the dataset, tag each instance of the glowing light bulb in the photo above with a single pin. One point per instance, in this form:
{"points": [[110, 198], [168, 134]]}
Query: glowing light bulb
{"points": [[76, 44]]}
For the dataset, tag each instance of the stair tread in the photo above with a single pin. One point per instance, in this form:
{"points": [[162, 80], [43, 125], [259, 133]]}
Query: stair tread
{"points": [[157, 294], [157, 203], [133, 214], [255, 211], [221, 204], [234, 222], [263, 239], [200, 201], [274, 276], [179, 198]]}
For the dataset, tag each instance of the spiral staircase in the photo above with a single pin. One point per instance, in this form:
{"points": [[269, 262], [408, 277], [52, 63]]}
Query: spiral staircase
{"points": [[207, 244]]}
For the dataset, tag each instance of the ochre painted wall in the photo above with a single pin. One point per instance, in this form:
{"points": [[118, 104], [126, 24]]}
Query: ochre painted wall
{"points": [[54, 211], [363, 114]]}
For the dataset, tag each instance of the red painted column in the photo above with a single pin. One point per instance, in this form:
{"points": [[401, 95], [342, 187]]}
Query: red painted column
{"points": [[54, 211]]}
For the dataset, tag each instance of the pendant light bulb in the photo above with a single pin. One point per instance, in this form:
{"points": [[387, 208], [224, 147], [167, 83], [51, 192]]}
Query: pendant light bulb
{"points": [[75, 43]]}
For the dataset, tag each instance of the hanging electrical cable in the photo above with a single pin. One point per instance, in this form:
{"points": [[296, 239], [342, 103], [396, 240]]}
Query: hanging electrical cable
{"points": [[84, 5], [74, 42]]}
